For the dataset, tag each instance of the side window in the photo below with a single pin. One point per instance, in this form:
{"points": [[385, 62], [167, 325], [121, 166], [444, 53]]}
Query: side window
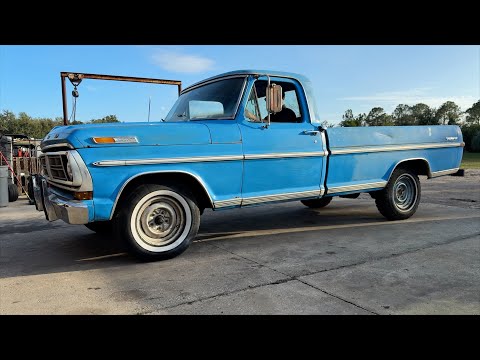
{"points": [[291, 102], [291, 112], [252, 111]]}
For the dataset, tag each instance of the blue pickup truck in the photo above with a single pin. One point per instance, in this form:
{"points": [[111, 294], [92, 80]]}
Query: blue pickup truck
{"points": [[239, 139]]}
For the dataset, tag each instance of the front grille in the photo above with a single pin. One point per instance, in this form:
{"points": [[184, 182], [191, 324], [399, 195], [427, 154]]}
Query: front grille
{"points": [[57, 164]]}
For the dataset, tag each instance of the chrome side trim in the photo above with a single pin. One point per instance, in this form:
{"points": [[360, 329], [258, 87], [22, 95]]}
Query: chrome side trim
{"points": [[444, 172], [168, 160], [284, 155], [227, 203], [57, 145], [158, 172], [370, 149], [207, 158], [340, 189], [280, 197]]}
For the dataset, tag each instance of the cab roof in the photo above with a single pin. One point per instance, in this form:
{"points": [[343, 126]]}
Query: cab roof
{"points": [[299, 77]]}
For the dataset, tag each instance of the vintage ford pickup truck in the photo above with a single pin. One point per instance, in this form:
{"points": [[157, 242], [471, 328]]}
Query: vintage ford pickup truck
{"points": [[238, 139]]}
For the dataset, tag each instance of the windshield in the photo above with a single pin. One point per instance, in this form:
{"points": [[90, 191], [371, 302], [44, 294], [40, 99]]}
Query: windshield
{"points": [[216, 100]]}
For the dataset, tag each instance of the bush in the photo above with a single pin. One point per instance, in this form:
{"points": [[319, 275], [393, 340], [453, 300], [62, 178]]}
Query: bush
{"points": [[469, 131], [476, 143]]}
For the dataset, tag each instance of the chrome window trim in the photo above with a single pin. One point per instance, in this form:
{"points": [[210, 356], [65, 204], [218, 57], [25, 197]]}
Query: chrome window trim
{"points": [[239, 100], [197, 85], [444, 172], [370, 149], [196, 159], [304, 94], [363, 186], [196, 177]]}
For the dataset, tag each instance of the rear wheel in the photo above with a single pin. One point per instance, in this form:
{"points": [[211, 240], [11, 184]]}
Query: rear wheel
{"points": [[400, 198], [158, 222], [317, 203]]}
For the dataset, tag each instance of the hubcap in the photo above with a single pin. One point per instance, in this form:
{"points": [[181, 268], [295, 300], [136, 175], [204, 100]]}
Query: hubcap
{"points": [[405, 192], [160, 220]]}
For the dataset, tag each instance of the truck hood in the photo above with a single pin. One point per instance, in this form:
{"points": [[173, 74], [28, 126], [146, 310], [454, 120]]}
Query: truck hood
{"points": [[147, 134]]}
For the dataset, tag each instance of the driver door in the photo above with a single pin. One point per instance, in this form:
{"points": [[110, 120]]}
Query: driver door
{"points": [[284, 160]]}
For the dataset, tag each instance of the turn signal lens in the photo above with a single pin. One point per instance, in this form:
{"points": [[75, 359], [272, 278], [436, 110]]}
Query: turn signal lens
{"points": [[104, 140], [115, 140], [83, 195]]}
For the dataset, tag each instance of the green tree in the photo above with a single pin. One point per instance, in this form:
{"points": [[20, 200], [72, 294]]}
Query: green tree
{"points": [[403, 115], [423, 115], [7, 119], [448, 114], [378, 117], [475, 146], [469, 131], [349, 120], [37, 127], [473, 114], [326, 124], [106, 119]]}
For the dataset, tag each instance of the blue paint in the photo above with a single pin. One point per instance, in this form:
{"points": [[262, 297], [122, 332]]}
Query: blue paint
{"points": [[241, 139]]}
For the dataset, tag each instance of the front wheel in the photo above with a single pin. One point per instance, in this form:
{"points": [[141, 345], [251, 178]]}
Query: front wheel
{"points": [[400, 198], [158, 222]]}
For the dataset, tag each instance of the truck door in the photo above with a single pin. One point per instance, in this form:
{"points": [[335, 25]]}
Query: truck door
{"points": [[284, 160]]}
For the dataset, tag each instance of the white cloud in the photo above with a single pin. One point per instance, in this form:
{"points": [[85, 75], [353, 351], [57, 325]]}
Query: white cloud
{"points": [[390, 99], [182, 63]]}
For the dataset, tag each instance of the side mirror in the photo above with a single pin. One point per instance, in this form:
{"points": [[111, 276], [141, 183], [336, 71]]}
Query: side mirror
{"points": [[274, 98]]}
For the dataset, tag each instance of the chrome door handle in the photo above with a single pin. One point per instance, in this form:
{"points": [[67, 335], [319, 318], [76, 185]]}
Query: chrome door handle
{"points": [[311, 132]]}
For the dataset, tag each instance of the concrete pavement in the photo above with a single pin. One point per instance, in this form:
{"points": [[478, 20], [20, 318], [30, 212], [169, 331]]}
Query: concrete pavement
{"points": [[276, 259]]}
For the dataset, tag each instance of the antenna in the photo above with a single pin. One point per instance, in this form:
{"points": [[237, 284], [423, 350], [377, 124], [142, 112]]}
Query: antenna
{"points": [[149, 101]]}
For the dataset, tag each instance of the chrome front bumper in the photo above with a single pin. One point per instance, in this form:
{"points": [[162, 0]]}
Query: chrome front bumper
{"points": [[55, 207]]}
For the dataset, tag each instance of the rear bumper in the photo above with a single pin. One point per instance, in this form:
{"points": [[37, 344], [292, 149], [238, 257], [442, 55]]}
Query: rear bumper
{"points": [[57, 207]]}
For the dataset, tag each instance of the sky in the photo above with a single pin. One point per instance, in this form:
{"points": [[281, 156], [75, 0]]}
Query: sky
{"points": [[344, 77]]}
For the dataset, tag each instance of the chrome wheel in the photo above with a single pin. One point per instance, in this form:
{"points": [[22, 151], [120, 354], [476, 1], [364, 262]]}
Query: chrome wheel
{"points": [[405, 193], [160, 221]]}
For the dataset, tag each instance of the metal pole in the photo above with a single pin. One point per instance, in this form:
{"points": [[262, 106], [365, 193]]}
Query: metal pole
{"points": [[149, 101], [65, 74], [64, 99]]}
